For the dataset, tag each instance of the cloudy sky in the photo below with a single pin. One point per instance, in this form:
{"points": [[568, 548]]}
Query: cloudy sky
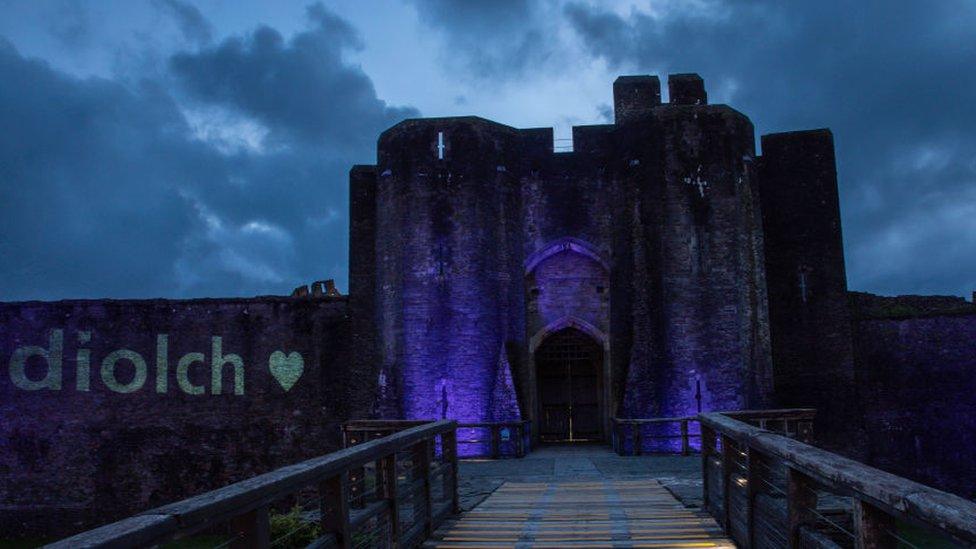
{"points": [[167, 148]]}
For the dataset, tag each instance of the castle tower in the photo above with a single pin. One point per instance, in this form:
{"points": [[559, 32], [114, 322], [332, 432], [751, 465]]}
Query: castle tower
{"points": [[447, 267], [810, 320], [698, 311]]}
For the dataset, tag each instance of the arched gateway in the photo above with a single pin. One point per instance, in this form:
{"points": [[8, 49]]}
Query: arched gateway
{"points": [[569, 364]]}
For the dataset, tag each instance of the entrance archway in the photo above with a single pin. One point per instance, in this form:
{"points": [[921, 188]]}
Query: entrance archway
{"points": [[569, 367]]}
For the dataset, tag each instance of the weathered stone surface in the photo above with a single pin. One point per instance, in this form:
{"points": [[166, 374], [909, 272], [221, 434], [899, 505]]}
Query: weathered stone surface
{"points": [[807, 283], [917, 388], [647, 237], [84, 454]]}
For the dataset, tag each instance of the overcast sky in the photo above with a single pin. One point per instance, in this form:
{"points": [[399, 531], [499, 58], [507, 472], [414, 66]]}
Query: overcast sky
{"points": [[162, 148]]}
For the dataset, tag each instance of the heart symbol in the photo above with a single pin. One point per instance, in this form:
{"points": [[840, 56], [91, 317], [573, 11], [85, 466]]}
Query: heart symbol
{"points": [[286, 369]]}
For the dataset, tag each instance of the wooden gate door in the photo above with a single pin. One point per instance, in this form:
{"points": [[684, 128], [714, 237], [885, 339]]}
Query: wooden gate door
{"points": [[568, 377]]}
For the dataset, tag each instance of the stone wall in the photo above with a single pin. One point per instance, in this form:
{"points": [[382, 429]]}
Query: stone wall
{"points": [[666, 200], [713, 300], [112, 407], [805, 274], [449, 293], [917, 386]]}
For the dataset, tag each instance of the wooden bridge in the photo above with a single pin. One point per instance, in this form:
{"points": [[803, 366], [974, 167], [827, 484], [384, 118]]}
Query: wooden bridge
{"points": [[400, 484]]}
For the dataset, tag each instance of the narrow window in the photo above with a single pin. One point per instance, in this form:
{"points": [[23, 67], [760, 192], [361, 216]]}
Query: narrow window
{"points": [[803, 286], [440, 145]]}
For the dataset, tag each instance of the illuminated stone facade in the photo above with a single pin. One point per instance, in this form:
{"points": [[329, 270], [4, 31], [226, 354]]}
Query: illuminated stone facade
{"points": [[472, 242]]}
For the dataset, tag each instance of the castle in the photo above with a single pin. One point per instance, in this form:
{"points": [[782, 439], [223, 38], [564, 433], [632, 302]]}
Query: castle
{"points": [[659, 269]]}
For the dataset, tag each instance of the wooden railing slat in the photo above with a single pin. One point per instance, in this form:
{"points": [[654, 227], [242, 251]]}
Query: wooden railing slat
{"points": [[450, 450], [685, 446], [872, 527], [423, 455], [801, 502], [390, 483], [252, 530], [334, 506], [707, 449]]}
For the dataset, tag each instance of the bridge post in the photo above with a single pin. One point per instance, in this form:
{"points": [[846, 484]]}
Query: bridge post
{"points": [[685, 446], [450, 451], [517, 432], [334, 508], [495, 444], [707, 449], [804, 431], [252, 530], [754, 462], [801, 503], [871, 527], [390, 490], [636, 436], [422, 453], [727, 460]]}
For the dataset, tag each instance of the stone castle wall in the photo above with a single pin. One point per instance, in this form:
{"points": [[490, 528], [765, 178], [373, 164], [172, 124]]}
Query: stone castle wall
{"points": [[917, 389], [664, 202], [112, 407], [449, 296], [807, 283]]}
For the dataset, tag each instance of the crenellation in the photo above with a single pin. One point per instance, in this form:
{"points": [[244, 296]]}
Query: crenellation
{"points": [[634, 97], [686, 89]]}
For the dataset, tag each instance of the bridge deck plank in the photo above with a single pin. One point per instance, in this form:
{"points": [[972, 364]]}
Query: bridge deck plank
{"points": [[599, 513]]}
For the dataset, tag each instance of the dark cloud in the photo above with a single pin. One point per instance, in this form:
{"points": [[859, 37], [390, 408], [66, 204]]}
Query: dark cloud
{"points": [[300, 89], [131, 190], [194, 26], [892, 79], [501, 39]]}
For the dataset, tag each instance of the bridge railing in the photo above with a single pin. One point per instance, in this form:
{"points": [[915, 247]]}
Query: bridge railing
{"points": [[682, 435], [768, 490], [407, 485], [494, 439]]}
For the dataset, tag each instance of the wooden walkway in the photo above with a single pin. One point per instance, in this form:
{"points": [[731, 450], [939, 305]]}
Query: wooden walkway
{"points": [[599, 513]]}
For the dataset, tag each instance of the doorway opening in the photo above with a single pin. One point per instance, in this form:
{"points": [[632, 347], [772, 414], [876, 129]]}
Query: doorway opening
{"points": [[569, 365]]}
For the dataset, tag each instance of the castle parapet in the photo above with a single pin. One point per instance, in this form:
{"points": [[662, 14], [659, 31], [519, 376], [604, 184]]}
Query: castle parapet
{"points": [[687, 89], [635, 96]]}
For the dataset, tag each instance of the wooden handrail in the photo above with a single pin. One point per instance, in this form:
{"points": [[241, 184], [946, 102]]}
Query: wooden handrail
{"points": [[801, 418], [617, 435], [359, 430], [251, 498], [646, 421], [777, 414], [878, 496]]}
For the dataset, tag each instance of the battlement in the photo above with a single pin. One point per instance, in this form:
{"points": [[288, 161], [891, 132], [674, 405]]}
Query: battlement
{"points": [[687, 89], [635, 97]]}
